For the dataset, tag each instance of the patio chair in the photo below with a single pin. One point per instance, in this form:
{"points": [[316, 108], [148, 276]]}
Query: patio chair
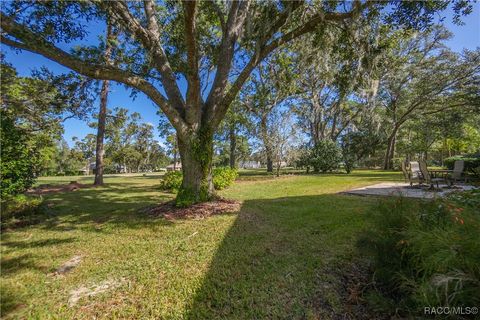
{"points": [[415, 174], [458, 172], [428, 178]]}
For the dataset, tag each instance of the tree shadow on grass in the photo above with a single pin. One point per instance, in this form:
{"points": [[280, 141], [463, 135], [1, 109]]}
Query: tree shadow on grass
{"points": [[36, 244], [107, 209], [114, 204], [282, 259], [16, 264], [9, 301]]}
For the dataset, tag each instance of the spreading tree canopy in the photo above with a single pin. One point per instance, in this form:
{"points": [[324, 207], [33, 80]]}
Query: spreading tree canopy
{"points": [[212, 46]]}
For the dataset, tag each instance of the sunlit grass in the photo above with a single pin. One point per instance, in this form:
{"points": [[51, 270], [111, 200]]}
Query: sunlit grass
{"points": [[274, 259]]}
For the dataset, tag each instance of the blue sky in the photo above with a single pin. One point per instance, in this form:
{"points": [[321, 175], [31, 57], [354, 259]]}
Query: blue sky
{"points": [[465, 36]]}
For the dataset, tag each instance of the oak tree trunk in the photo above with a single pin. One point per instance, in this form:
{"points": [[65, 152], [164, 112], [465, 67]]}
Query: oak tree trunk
{"points": [[196, 152], [269, 160]]}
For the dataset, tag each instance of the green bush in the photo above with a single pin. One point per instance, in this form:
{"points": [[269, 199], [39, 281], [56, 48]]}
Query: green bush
{"points": [[472, 163], [223, 177], [172, 180], [424, 254], [18, 160], [325, 156]]}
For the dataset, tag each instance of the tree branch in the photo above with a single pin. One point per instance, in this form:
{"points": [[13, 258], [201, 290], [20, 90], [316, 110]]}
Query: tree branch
{"points": [[152, 23], [193, 111], [33, 42], [119, 10], [236, 18], [446, 108], [266, 49]]}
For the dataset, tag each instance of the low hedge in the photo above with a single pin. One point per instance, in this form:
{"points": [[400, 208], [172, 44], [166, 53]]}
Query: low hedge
{"points": [[472, 163], [222, 178], [172, 180]]}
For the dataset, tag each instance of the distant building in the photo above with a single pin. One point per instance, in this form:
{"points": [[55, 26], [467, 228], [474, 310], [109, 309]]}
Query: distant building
{"points": [[177, 167], [92, 168], [249, 164]]}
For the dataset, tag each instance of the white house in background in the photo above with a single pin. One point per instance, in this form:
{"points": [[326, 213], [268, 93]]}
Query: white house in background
{"points": [[178, 167], [87, 169], [249, 164]]}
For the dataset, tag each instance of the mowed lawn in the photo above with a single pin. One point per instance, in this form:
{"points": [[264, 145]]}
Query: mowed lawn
{"points": [[281, 256]]}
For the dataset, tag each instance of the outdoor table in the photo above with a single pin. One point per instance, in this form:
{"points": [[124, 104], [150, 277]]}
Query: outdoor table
{"points": [[437, 172]]}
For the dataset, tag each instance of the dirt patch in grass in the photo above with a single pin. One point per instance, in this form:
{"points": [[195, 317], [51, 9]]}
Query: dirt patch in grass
{"points": [[197, 211], [68, 266], [48, 188], [92, 290]]}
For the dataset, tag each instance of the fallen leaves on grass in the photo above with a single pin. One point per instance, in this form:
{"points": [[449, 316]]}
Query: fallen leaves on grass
{"points": [[196, 211]]}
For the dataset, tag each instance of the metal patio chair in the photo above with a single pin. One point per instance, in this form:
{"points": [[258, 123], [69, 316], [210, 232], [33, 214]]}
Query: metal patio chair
{"points": [[428, 177]]}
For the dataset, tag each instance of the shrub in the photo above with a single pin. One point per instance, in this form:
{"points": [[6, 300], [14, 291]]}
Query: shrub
{"points": [[172, 180], [424, 254], [18, 161], [224, 177], [472, 163], [325, 156]]}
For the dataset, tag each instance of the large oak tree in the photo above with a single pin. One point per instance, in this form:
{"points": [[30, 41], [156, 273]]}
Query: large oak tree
{"points": [[165, 43]]}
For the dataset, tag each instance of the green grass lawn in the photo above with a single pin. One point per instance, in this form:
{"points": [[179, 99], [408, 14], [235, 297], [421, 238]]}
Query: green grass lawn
{"points": [[281, 256]]}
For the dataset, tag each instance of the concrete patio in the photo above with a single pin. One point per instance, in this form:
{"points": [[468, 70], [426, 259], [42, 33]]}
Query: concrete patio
{"points": [[405, 190]]}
